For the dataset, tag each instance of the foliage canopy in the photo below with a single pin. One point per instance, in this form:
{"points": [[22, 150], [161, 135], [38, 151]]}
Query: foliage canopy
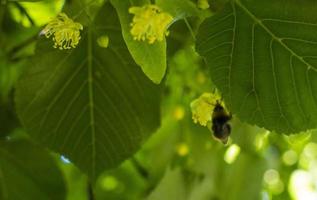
{"points": [[78, 107]]}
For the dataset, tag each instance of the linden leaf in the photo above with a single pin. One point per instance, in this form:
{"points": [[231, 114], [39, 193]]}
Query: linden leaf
{"points": [[28, 172], [262, 57], [92, 104], [179, 8], [24, 0]]}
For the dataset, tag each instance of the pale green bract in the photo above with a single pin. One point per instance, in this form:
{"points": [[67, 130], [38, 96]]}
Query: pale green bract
{"points": [[28, 172], [150, 57]]}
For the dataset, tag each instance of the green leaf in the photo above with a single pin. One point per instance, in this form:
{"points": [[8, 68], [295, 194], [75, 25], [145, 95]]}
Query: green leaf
{"points": [[8, 118], [23, 0], [28, 172], [178, 8], [92, 104], [83, 11], [150, 57], [76, 181], [9, 74], [37, 13], [261, 56]]}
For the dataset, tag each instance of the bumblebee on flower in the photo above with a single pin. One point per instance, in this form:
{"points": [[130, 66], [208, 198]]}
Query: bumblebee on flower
{"points": [[210, 110]]}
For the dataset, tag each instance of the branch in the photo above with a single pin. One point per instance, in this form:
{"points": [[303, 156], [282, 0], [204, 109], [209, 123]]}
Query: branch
{"points": [[22, 45], [91, 195], [140, 169], [22, 10]]}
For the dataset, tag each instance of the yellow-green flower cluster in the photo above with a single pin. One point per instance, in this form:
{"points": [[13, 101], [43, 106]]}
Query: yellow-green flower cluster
{"points": [[66, 32], [203, 107], [149, 23]]}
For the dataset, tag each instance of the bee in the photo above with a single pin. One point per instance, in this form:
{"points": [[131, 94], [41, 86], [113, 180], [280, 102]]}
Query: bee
{"points": [[221, 128]]}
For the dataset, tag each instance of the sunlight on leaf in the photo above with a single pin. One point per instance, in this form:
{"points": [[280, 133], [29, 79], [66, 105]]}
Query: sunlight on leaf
{"points": [[290, 157], [103, 41], [232, 153]]}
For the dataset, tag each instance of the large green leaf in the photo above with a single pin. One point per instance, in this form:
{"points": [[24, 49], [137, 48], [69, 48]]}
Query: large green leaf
{"points": [[83, 11], [77, 182], [92, 103], [150, 57], [178, 8], [8, 119], [262, 57], [28, 172], [23, 0]]}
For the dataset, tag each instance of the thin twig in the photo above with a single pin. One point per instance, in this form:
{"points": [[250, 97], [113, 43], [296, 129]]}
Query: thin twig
{"points": [[22, 45], [22, 10], [140, 169], [91, 195], [189, 28], [20, 58]]}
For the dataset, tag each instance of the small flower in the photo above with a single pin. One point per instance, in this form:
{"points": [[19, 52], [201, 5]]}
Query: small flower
{"points": [[203, 107], [150, 23], [203, 4], [66, 32]]}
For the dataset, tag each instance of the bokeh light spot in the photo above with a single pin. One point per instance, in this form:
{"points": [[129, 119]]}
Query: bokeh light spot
{"points": [[179, 113], [273, 182], [271, 176], [290, 157], [109, 183], [310, 150], [302, 186], [182, 149], [232, 153]]}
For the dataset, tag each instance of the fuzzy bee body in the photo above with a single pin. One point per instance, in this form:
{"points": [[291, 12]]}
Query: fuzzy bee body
{"points": [[220, 125]]}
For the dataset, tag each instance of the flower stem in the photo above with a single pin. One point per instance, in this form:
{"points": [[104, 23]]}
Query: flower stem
{"points": [[190, 28]]}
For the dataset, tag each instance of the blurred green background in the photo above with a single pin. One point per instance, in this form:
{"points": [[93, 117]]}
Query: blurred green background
{"points": [[181, 160]]}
